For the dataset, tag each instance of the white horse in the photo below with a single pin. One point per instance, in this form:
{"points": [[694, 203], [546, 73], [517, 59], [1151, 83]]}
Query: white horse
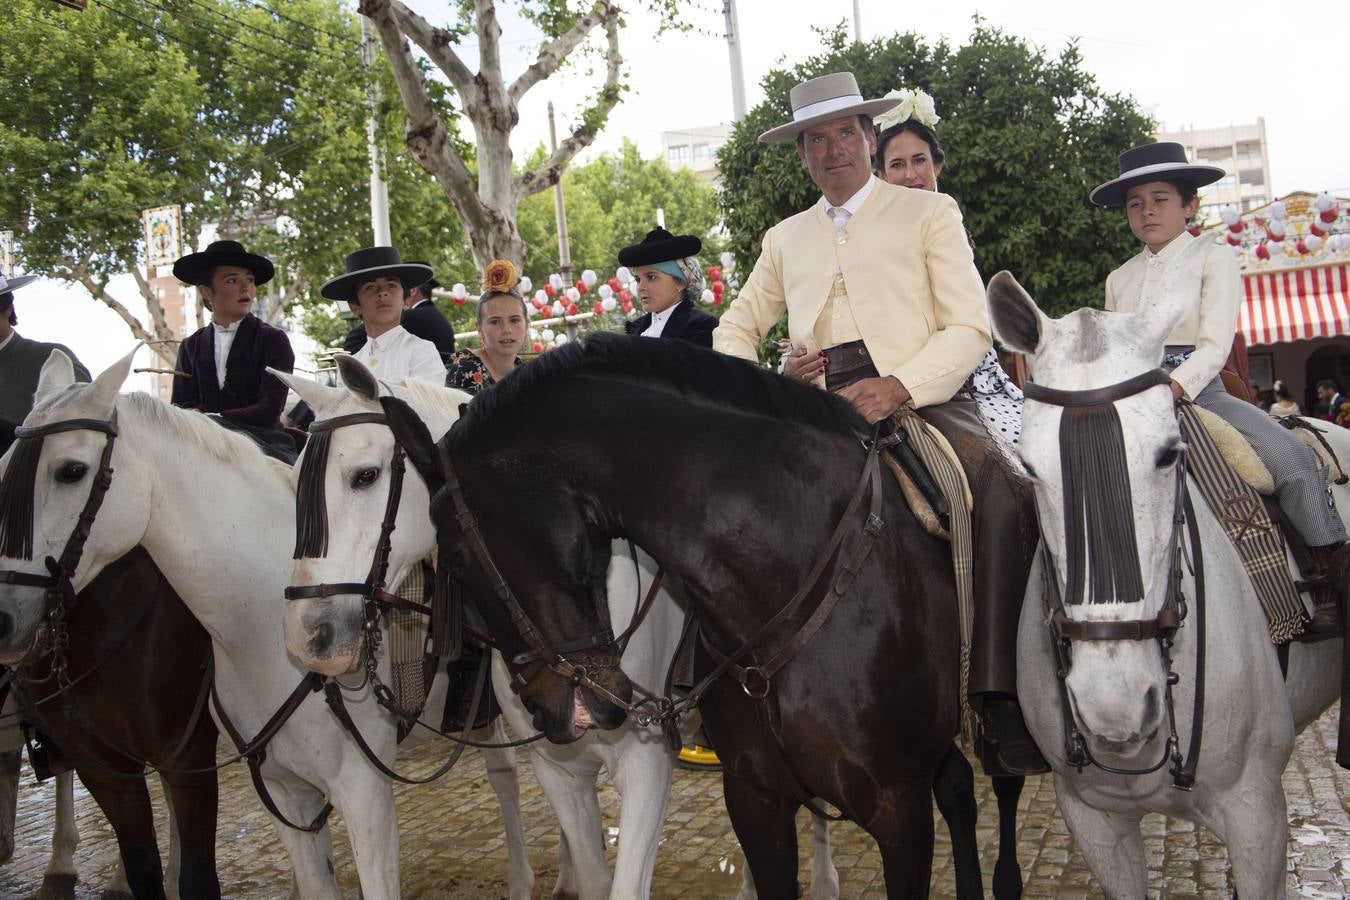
{"points": [[218, 518], [638, 759], [1115, 689]]}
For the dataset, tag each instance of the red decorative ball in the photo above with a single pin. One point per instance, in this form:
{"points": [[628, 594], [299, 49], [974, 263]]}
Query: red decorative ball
{"points": [[1233, 240], [550, 290], [1317, 229], [572, 309], [626, 298], [460, 301], [714, 273], [1194, 230], [1329, 215], [538, 346], [598, 308], [581, 287], [1301, 247], [1262, 251], [717, 288]]}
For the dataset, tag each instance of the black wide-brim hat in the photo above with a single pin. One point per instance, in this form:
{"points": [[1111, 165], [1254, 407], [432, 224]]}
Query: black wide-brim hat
{"points": [[1163, 161], [660, 246], [196, 268], [431, 282], [374, 262], [8, 285]]}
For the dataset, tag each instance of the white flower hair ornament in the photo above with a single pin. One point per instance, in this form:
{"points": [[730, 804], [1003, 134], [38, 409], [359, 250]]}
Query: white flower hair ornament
{"points": [[916, 105]]}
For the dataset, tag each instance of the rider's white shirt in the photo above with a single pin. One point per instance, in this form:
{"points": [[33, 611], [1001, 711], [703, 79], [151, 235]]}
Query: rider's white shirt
{"points": [[398, 354]]}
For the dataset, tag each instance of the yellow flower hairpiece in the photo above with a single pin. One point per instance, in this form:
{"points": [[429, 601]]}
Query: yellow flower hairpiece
{"points": [[500, 277]]}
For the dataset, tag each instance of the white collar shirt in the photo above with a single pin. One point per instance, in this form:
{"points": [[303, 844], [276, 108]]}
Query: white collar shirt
{"points": [[5, 342], [840, 215], [224, 336], [398, 354], [659, 321]]}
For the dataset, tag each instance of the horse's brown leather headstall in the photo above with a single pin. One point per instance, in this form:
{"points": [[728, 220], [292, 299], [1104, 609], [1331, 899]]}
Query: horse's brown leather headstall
{"points": [[60, 591], [1162, 628]]}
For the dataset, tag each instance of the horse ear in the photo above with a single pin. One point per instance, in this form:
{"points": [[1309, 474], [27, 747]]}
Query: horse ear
{"points": [[1178, 293], [1018, 323], [106, 386], [357, 376], [58, 373], [307, 389], [412, 434]]}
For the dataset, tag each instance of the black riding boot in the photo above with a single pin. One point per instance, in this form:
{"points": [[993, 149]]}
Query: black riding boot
{"points": [[1327, 599]]}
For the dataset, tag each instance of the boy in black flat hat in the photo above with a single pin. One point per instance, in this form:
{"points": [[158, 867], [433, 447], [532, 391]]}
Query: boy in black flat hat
{"points": [[421, 318], [669, 280], [225, 363]]}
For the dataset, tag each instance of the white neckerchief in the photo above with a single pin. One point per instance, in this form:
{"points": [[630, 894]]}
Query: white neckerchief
{"points": [[224, 340], [840, 215], [659, 321], [5, 342]]}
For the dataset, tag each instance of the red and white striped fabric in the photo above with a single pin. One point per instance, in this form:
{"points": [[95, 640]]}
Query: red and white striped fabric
{"points": [[1295, 304]]}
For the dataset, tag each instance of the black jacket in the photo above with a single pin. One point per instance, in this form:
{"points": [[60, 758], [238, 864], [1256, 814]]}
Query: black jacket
{"points": [[685, 324], [424, 320], [251, 396]]}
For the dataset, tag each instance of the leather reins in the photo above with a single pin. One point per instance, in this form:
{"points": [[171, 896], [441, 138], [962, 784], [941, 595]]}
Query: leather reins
{"points": [[1162, 628]]}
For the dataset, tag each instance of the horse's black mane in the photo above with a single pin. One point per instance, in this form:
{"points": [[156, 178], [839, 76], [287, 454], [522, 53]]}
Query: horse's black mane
{"points": [[672, 366]]}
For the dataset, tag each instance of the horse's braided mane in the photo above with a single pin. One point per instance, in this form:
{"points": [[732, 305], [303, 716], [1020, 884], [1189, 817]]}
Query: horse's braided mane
{"points": [[675, 367]]}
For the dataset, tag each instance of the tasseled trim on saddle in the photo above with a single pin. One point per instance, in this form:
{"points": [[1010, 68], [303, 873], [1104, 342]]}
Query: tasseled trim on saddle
{"points": [[1102, 554], [311, 506], [16, 499]]}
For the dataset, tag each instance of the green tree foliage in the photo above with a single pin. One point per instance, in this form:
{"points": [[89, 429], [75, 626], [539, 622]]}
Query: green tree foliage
{"points": [[1026, 134], [611, 203]]}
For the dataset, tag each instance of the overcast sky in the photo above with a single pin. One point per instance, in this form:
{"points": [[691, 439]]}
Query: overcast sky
{"points": [[1200, 65]]}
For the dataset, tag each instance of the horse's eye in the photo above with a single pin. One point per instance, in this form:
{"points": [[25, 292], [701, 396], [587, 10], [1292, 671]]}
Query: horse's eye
{"points": [[365, 478], [1169, 457], [71, 472]]}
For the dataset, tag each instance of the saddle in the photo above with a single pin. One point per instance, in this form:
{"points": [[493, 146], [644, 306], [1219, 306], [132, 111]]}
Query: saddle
{"points": [[928, 442], [1237, 452]]}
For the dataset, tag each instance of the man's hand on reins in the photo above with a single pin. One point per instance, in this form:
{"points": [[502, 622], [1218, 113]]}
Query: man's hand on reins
{"points": [[876, 398]]}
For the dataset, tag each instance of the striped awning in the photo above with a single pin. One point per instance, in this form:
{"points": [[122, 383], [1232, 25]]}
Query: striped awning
{"points": [[1295, 304]]}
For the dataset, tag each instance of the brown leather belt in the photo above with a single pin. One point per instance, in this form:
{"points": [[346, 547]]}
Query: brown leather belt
{"points": [[846, 364]]}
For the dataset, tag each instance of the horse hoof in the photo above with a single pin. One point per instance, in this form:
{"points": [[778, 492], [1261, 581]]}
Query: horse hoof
{"points": [[57, 887]]}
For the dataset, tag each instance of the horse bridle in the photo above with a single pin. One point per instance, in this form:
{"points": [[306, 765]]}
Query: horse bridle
{"points": [[755, 680], [1161, 628], [57, 585], [376, 599]]}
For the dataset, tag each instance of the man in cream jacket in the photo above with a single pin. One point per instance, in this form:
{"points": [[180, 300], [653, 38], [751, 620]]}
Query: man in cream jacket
{"points": [[885, 307]]}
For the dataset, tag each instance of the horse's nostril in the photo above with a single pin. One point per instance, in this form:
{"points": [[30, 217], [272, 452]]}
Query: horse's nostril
{"points": [[322, 640], [1150, 705]]}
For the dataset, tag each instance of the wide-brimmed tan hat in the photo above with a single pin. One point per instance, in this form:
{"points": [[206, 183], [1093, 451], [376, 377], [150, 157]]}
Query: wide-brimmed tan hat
{"points": [[821, 99]]}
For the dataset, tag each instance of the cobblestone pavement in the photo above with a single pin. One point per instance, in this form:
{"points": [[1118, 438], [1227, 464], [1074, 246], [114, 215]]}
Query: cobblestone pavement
{"points": [[453, 848]]}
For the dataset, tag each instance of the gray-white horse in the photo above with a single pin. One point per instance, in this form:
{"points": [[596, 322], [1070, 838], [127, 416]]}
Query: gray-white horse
{"points": [[1115, 689]]}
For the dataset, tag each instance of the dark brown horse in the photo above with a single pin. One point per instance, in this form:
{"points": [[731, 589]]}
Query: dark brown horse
{"points": [[735, 481], [137, 663]]}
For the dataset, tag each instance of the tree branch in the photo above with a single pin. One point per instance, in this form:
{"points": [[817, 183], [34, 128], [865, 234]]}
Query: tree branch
{"points": [[489, 49], [79, 273], [152, 304], [552, 54], [426, 135], [436, 42], [592, 119]]}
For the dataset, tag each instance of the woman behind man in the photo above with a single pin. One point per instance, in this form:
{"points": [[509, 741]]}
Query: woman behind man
{"points": [[502, 326], [909, 155]]}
